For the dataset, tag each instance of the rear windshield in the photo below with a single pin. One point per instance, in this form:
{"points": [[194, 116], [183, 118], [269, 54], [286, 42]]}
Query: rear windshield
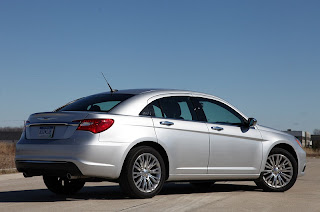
{"points": [[98, 103]]}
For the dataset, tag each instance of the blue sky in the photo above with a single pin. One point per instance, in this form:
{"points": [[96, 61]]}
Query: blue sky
{"points": [[261, 56]]}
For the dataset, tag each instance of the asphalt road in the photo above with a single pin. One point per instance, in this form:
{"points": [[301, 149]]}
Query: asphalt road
{"points": [[30, 194]]}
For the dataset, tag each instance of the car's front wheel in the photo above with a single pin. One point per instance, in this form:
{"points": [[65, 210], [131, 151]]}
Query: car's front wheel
{"points": [[143, 173], [280, 172], [62, 185]]}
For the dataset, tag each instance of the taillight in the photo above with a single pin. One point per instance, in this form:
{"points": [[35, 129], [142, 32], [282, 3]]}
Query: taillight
{"points": [[95, 125], [25, 125]]}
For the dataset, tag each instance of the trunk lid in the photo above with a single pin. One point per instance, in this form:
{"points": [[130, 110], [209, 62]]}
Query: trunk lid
{"points": [[53, 125]]}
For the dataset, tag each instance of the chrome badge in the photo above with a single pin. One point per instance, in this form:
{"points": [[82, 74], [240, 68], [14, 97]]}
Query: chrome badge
{"points": [[45, 118]]}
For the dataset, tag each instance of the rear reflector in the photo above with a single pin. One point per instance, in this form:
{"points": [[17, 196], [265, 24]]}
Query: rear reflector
{"points": [[298, 141], [95, 125]]}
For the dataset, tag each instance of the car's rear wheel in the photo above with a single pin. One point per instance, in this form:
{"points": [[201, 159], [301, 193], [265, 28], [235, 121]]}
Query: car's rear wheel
{"points": [[280, 172], [143, 173], [62, 185]]}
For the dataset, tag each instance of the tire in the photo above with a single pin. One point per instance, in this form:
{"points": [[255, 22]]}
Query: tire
{"points": [[280, 172], [143, 173], [202, 185], [61, 185]]}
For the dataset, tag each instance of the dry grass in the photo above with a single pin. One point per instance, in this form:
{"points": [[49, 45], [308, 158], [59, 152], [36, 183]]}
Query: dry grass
{"points": [[312, 152], [7, 154]]}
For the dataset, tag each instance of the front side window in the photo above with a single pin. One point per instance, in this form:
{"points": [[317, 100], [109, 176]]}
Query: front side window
{"points": [[175, 107], [219, 113]]}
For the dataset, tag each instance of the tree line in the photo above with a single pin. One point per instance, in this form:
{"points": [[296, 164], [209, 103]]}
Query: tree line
{"points": [[316, 132], [11, 129]]}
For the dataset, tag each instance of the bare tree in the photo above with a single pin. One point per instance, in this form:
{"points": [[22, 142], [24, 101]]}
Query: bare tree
{"points": [[11, 129], [316, 132]]}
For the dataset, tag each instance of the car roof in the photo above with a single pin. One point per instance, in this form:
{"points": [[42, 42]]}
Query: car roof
{"points": [[143, 90], [135, 104]]}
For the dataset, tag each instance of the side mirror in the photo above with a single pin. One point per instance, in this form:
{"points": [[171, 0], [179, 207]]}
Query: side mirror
{"points": [[252, 122]]}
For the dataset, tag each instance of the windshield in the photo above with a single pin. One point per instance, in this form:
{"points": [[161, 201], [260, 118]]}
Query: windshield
{"points": [[98, 103]]}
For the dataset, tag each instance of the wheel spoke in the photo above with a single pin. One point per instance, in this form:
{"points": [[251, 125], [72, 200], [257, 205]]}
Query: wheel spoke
{"points": [[137, 166], [281, 181], [267, 172], [136, 174], [148, 160], [268, 165], [277, 160], [272, 161], [269, 177], [274, 182], [286, 176], [152, 164], [284, 163], [288, 169], [139, 182], [155, 171], [149, 184], [154, 178]]}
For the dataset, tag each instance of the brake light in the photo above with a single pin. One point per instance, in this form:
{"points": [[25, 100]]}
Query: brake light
{"points": [[95, 125]]}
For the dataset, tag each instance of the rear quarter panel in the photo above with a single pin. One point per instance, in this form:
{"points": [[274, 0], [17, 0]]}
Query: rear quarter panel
{"points": [[127, 130]]}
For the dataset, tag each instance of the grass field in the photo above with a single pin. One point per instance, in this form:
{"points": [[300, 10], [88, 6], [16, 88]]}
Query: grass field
{"points": [[7, 154], [312, 152]]}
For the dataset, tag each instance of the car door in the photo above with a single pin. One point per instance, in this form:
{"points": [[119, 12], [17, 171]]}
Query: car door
{"points": [[235, 148], [185, 140]]}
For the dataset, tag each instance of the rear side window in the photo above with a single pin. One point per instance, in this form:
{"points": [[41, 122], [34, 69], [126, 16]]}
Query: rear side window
{"points": [[175, 107], [153, 109], [98, 103]]}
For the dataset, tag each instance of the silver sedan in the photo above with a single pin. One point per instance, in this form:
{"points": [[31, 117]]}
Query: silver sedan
{"points": [[143, 138]]}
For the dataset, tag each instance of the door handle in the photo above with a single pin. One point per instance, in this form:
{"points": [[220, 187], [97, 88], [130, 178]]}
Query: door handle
{"points": [[217, 128], [167, 123]]}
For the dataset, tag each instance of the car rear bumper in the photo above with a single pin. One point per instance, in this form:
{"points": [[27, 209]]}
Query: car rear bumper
{"points": [[51, 168], [84, 157]]}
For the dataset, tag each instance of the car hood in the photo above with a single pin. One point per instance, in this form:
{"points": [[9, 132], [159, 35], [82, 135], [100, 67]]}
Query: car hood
{"points": [[268, 129]]}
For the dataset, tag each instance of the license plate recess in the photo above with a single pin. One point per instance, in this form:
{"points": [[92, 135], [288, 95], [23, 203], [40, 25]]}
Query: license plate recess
{"points": [[46, 132]]}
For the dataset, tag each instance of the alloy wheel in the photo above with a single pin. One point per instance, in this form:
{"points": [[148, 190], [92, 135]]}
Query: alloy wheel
{"points": [[146, 172], [278, 171]]}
